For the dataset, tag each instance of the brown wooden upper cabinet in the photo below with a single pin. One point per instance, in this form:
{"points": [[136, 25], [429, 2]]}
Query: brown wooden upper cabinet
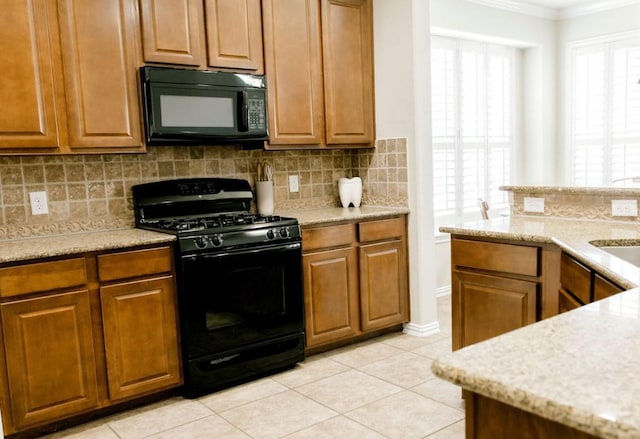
{"points": [[69, 77], [220, 34], [319, 65]]}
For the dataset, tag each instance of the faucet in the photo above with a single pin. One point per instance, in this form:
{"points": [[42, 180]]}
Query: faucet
{"points": [[484, 207]]}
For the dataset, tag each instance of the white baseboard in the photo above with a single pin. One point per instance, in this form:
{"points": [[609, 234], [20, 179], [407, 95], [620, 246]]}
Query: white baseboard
{"points": [[443, 291], [421, 330]]}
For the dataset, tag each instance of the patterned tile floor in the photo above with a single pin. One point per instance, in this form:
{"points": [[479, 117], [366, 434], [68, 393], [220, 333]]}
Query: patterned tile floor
{"points": [[382, 388]]}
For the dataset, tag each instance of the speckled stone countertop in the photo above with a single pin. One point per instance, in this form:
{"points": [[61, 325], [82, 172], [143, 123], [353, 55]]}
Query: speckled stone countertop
{"points": [[309, 217], [578, 368], [572, 235], [60, 245], [14, 250], [573, 190]]}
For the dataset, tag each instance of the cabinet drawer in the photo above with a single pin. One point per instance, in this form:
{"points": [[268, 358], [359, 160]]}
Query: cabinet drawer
{"points": [[603, 288], [504, 258], [329, 236], [134, 263], [42, 276], [575, 278], [382, 229]]}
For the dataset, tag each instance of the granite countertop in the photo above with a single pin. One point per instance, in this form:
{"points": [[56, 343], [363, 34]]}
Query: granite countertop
{"points": [[60, 245], [23, 249], [578, 368], [309, 217], [572, 235]]}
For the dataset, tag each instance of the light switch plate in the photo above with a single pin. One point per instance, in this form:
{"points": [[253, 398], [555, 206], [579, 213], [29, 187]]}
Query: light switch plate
{"points": [[624, 207], [534, 204]]}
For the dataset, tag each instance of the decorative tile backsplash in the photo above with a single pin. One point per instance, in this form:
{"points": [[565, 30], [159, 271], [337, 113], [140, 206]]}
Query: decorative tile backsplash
{"points": [[94, 191]]}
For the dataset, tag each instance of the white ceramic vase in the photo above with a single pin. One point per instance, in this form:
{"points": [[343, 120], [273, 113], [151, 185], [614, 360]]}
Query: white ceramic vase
{"points": [[350, 191]]}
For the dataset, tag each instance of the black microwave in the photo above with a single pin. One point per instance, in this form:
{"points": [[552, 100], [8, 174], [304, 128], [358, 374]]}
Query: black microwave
{"points": [[203, 107]]}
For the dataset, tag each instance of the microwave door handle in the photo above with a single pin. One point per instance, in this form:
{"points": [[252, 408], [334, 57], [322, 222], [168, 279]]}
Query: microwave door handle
{"points": [[243, 109]]}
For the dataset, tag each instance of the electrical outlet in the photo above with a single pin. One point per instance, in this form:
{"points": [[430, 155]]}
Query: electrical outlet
{"points": [[624, 207], [532, 204], [294, 185], [38, 203]]}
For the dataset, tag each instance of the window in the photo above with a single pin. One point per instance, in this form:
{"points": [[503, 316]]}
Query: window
{"points": [[605, 111], [472, 120]]}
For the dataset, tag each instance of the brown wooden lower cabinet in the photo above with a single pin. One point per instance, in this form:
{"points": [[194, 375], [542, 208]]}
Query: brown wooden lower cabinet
{"points": [[140, 336], [77, 344], [492, 305], [50, 357], [580, 285], [355, 279], [487, 418], [500, 285]]}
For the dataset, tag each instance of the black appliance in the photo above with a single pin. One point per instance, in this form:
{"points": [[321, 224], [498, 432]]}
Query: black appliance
{"points": [[184, 106], [239, 279]]}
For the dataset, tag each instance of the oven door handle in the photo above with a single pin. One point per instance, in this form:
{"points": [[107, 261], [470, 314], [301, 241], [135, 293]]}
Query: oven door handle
{"points": [[270, 249]]}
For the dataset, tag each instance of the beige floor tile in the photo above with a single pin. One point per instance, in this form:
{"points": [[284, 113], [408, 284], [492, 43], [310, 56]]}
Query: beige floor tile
{"points": [[338, 427], [455, 431], [442, 391], [409, 342], [406, 415], [277, 415], [405, 370], [155, 418], [94, 430], [206, 428], [348, 390], [242, 394], [361, 355], [309, 371], [434, 350]]}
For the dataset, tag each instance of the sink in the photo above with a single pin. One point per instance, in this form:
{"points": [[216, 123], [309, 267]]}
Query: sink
{"points": [[629, 253]]}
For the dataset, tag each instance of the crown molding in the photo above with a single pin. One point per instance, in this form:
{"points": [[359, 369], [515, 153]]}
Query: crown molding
{"points": [[520, 8], [594, 7], [590, 7]]}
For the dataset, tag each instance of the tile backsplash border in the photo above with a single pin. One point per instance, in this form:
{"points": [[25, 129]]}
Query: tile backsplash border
{"points": [[93, 192]]}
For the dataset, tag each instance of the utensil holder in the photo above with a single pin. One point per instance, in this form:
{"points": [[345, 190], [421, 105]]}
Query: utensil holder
{"points": [[264, 192]]}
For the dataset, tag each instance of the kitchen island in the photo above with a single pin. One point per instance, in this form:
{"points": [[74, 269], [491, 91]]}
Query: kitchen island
{"points": [[568, 376]]}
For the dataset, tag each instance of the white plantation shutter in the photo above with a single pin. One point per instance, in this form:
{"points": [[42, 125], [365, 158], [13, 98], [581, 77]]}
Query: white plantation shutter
{"points": [[472, 119], [605, 112]]}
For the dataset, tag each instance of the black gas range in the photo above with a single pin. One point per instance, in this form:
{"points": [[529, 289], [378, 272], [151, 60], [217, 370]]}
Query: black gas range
{"points": [[239, 279]]}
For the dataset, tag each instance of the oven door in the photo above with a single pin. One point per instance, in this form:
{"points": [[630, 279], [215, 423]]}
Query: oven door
{"points": [[237, 298]]}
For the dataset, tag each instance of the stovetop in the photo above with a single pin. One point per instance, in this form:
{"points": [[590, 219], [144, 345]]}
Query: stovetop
{"points": [[209, 214], [215, 224]]}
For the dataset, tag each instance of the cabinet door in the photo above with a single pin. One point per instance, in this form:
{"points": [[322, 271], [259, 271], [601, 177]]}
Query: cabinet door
{"points": [[172, 31], [484, 306], [234, 34], [330, 295], [293, 64], [100, 69], [27, 112], [50, 357], [383, 285], [347, 44], [140, 336]]}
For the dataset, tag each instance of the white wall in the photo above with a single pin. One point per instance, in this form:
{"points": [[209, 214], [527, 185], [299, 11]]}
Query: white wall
{"points": [[403, 109], [571, 30], [538, 37]]}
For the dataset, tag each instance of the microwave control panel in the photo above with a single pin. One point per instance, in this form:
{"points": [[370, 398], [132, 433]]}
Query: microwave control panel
{"points": [[256, 113]]}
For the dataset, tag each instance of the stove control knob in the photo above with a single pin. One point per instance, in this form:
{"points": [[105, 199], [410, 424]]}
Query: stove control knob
{"points": [[216, 240], [270, 234], [284, 232], [200, 242]]}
